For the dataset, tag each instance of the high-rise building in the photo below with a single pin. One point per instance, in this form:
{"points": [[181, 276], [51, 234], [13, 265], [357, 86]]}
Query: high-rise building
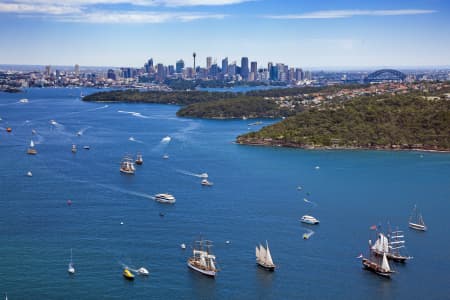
{"points": [[225, 65], [47, 70], [232, 69], [179, 66], [254, 67], [214, 70], [208, 62], [244, 68], [273, 73], [299, 74], [170, 69], [111, 74], [76, 69], [161, 72]]}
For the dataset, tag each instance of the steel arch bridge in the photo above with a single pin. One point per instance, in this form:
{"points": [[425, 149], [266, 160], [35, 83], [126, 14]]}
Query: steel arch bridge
{"points": [[385, 75]]}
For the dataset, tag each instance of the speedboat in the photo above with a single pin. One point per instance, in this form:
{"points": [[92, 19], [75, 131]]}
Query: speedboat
{"points": [[127, 274], [165, 198], [71, 269], [24, 100], [205, 182], [29, 174], [165, 156], [204, 175], [86, 147], [309, 220], [143, 271], [183, 246]]}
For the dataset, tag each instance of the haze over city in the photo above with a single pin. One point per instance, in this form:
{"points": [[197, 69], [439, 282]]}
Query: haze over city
{"points": [[329, 34]]}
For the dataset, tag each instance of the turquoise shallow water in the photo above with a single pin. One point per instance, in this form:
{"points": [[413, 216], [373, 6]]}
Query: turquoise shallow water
{"points": [[254, 198]]}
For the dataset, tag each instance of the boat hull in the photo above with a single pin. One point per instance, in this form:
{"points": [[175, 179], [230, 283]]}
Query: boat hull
{"points": [[371, 266], [127, 172], [31, 151], [270, 268], [310, 222], [417, 227], [208, 273], [394, 257]]}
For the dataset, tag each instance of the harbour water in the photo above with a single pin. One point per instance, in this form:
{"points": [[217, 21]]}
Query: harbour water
{"points": [[113, 221]]}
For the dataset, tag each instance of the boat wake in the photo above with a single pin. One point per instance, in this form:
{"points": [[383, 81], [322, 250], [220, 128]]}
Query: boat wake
{"points": [[101, 107], [128, 192], [308, 234], [310, 202], [133, 113], [166, 140], [132, 139], [202, 175], [81, 132]]}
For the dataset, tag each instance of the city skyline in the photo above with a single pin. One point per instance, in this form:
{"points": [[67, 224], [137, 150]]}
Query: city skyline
{"points": [[324, 35]]}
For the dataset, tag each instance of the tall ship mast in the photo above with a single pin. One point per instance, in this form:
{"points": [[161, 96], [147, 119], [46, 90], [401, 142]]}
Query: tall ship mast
{"points": [[31, 150], [390, 245], [264, 258], [416, 220], [202, 260], [373, 263], [127, 165]]}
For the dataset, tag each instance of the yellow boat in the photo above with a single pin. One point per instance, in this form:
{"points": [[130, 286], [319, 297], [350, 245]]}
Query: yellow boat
{"points": [[128, 275]]}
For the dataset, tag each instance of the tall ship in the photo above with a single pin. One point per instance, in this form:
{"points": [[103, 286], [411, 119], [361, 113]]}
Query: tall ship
{"points": [[416, 220], [264, 258], [391, 246], [139, 159], [127, 165], [381, 268], [202, 260], [31, 150]]}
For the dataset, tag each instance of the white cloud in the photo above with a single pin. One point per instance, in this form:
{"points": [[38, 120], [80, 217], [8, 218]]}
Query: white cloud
{"points": [[136, 17], [336, 14], [51, 9]]}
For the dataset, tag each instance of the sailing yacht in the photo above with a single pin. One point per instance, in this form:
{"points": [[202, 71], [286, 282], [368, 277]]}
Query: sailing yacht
{"points": [[31, 149], [382, 269], [71, 268], [390, 246], [416, 221], [202, 260], [264, 258], [127, 166]]}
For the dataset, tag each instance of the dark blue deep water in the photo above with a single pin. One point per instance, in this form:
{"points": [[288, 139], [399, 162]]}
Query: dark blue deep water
{"points": [[254, 198]]}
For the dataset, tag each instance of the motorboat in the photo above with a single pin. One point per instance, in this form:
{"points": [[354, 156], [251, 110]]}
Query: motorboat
{"points": [[309, 220], [143, 271], [205, 182], [183, 246], [127, 274], [24, 100], [86, 147], [165, 156], [204, 175], [74, 148], [29, 174], [71, 268], [165, 198]]}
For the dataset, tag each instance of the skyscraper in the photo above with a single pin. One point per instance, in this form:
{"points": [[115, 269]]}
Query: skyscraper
{"points": [[208, 62], [254, 67], [225, 65], [77, 70], [244, 68], [179, 66]]}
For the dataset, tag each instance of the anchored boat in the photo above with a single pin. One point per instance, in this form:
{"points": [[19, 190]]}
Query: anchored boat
{"points": [[202, 260], [416, 220], [31, 150]]}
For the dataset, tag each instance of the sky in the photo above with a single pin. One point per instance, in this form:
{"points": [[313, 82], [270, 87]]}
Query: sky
{"points": [[328, 34]]}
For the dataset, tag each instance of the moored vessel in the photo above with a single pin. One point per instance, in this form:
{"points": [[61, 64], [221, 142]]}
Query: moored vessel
{"points": [[202, 260], [139, 159], [416, 220], [31, 150]]}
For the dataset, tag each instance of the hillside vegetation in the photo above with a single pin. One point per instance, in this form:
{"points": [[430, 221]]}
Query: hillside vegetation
{"points": [[392, 122]]}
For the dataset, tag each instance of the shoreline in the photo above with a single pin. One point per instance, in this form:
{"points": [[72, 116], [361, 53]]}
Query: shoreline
{"points": [[306, 147]]}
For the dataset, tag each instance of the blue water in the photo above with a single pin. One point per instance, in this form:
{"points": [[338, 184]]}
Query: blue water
{"points": [[254, 198]]}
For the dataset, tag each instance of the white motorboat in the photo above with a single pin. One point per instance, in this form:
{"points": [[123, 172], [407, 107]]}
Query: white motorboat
{"points": [[309, 220], [204, 175], [29, 174], [205, 182], [143, 271], [165, 198], [183, 246]]}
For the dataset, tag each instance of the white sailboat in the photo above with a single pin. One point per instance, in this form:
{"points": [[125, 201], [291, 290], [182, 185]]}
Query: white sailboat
{"points": [[31, 150], [416, 220], [264, 258], [71, 268]]}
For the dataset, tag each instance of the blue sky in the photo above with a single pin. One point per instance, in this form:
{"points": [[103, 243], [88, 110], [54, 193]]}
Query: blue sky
{"points": [[301, 33]]}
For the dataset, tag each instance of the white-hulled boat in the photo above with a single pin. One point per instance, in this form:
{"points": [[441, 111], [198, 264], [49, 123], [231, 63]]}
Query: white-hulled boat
{"points": [[74, 148], [390, 246], [309, 220], [166, 156], [139, 159], [205, 182], [416, 221], [29, 174], [71, 268], [264, 258], [204, 175], [183, 246], [165, 198], [202, 260], [143, 271], [127, 165], [31, 150]]}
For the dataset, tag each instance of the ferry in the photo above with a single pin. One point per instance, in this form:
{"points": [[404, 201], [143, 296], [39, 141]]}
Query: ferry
{"points": [[309, 220], [165, 198]]}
